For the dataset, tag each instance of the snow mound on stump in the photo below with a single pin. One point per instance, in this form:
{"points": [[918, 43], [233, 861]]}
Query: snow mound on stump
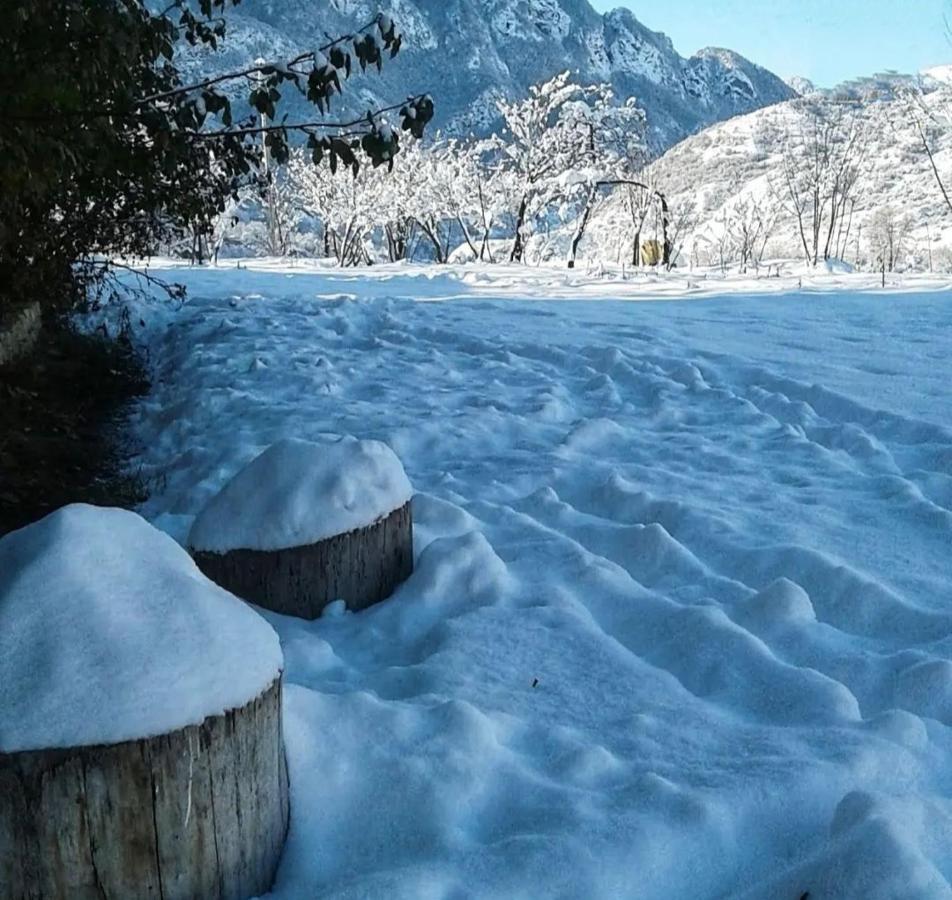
{"points": [[298, 493], [109, 632]]}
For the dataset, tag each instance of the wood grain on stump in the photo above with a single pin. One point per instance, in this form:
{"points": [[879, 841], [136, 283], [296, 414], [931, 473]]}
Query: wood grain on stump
{"points": [[195, 814], [360, 567]]}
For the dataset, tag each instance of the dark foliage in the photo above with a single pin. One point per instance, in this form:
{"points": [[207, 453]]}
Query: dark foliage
{"points": [[61, 412], [105, 150]]}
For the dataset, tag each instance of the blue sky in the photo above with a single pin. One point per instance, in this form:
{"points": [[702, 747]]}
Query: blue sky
{"points": [[827, 41]]}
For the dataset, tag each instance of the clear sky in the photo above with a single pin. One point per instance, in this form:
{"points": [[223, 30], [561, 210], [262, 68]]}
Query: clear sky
{"points": [[827, 41]]}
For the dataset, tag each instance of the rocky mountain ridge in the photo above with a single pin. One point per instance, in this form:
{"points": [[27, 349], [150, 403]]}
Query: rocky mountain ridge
{"points": [[469, 53]]}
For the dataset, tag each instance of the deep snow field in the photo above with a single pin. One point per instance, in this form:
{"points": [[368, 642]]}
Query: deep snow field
{"points": [[681, 620]]}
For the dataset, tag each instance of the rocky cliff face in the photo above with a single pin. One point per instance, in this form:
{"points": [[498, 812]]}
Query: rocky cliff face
{"points": [[467, 53]]}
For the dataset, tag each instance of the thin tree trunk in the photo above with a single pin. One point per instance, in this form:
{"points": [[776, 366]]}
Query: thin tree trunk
{"points": [[834, 212], [666, 239], [935, 169], [432, 235], [517, 246], [466, 237], [583, 224]]}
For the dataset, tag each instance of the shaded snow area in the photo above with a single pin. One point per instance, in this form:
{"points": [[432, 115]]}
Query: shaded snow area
{"points": [[108, 632], [300, 492], [680, 621]]}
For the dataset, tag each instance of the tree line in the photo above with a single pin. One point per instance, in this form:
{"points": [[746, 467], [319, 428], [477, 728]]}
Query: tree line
{"points": [[570, 175], [562, 152]]}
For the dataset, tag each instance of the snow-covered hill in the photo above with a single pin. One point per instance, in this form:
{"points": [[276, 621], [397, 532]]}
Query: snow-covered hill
{"points": [[467, 53], [738, 162]]}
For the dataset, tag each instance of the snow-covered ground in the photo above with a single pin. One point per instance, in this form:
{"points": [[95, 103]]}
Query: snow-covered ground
{"points": [[681, 620]]}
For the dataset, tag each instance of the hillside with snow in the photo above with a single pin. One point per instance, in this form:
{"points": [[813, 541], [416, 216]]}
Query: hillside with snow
{"points": [[469, 53], [721, 173]]}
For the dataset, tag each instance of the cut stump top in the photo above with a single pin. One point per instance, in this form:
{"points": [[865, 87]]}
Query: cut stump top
{"points": [[109, 633], [297, 493]]}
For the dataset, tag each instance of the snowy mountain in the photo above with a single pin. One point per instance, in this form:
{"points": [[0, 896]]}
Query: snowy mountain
{"points": [[723, 172], [802, 86], [467, 53], [938, 74]]}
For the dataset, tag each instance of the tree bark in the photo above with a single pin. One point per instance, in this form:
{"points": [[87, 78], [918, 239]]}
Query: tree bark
{"points": [[517, 247], [665, 225], [360, 567], [583, 224], [195, 814], [431, 231], [466, 237]]}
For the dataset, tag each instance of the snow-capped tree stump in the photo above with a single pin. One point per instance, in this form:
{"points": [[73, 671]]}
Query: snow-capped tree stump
{"points": [[306, 524], [141, 752]]}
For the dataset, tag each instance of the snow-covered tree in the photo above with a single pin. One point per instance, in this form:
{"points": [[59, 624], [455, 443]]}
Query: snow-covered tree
{"points": [[560, 143], [477, 192], [436, 196], [639, 200], [616, 154], [752, 222], [887, 231], [720, 238], [680, 219], [341, 202], [483, 192], [566, 149], [821, 161], [438, 201]]}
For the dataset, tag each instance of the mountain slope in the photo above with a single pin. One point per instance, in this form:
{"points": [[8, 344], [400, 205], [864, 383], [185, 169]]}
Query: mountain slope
{"points": [[467, 53], [718, 178]]}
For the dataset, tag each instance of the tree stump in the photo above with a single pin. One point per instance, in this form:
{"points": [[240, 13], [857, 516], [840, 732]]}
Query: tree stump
{"points": [[141, 751], [361, 567], [199, 813], [306, 524]]}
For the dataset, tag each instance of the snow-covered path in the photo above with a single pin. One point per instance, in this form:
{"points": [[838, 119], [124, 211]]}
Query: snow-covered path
{"points": [[715, 535]]}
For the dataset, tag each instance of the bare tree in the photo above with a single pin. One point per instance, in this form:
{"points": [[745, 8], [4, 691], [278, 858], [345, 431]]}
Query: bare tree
{"points": [[751, 225], [821, 160], [641, 198], [616, 154], [724, 240], [677, 222], [929, 113], [646, 206], [888, 231]]}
